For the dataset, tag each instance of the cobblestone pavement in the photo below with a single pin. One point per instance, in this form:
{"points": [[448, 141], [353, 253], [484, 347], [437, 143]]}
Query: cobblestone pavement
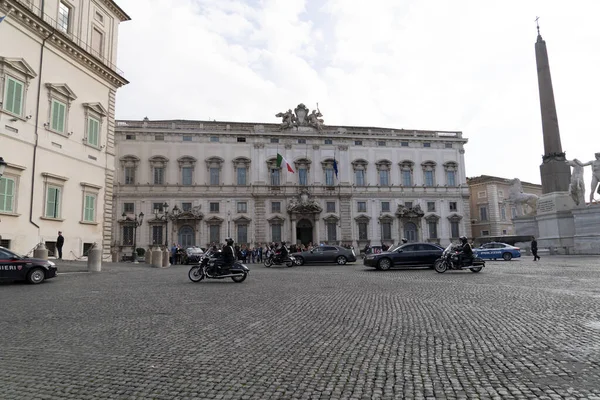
{"points": [[517, 330]]}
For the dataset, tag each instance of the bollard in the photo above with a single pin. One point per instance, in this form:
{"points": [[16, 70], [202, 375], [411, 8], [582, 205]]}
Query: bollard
{"points": [[41, 252], [157, 258], [148, 256], [115, 256], [94, 262], [165, 262]]}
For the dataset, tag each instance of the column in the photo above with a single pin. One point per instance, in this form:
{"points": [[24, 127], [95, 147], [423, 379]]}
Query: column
{"points": [[294, 238], [316, 236]]}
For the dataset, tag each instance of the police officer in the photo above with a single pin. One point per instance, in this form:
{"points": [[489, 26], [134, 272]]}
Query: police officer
{"points": [[228, 253], [466, 252]]}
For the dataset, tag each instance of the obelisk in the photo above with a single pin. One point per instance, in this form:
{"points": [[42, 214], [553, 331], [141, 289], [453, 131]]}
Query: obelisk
{"points": [[555, 173]]}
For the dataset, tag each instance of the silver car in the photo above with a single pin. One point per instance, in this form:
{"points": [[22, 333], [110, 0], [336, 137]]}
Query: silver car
{"points": [[326, 254]]}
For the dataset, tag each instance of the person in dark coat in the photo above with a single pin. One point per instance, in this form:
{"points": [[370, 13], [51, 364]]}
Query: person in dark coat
{"points": [[60, 241], [534, 249]]}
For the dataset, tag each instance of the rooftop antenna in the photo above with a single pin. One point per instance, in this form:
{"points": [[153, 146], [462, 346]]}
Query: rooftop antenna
{"points": [[537, 25]]}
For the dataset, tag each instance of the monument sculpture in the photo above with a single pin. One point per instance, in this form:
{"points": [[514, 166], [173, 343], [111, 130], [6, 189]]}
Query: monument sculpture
{"points": [[577, 186], [518, 197], [301, 117], [303, 204], [595, 187]]}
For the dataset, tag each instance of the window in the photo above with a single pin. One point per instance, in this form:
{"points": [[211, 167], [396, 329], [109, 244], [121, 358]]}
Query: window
{"points": [[158, 175], [331, 231], [407, 178], [214, 175], [426, 144], [385, 206], [130, 175], [500, 194], [429, 178], [408, 204], [328, 141], [451, 178], [384, 178], [448, 145], [242, 173], [276, 232], [93, 132], [57, 118], [485, 233], [301, 141], [127, 235], [274, 140], [329, 176], [53, 201], [129, 137], [129, 208], [99, 17], [186, 207], [503, 213], [276, 207], [242, 207], [330, 206], [358, 143], [432, 227], [214, 139], [157, 207], [187, 138], [89, 208], [214, 207], [362, 206], [303, 176], [214, 233], [159, 137], [362, 231], [275, 181], [242, 233], [481, 195], [453, 207], [454, 229], [64, 16], [241, 140], [359, 176], [97, 43], [404, 144], [157, 234], [483, 213], [186, 175], [431, 206], [7, 194], [386, 230], [381, 143], [428, 173], [13, 99]]}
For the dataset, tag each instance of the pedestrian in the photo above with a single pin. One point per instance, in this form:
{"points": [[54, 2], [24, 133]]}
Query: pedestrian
{"points": [[173, 254], [253, 255], [60, 241], [534, 249]]}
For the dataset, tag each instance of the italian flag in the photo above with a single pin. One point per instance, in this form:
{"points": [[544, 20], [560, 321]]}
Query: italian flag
{"points": [[281, 161]]}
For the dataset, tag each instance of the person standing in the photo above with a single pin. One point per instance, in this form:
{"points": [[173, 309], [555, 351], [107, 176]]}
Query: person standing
{"points": [[60, 241], [534, 249]]}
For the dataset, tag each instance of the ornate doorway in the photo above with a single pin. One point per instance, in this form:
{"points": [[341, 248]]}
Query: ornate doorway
{"points": [[186, 236], [410, 232], [304, 231]]}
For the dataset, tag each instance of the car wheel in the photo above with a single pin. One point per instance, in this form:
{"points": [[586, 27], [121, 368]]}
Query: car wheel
{"points": [[300, 260], [341, 260], [507, 256], [384, 264], [36, 276]]}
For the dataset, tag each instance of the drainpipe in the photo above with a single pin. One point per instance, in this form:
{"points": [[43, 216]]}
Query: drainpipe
{"points": [[37, 120]]}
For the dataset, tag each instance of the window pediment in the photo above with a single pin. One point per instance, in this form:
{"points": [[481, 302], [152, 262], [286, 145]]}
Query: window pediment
{"points": [[242, 220], [360, 164], [432, 218], [277, 219], [302, 162], [362, 218], [241, 162], [214, 220], [428, 165], [386, 218], [186, 161], [383, 164], [406, 164], [455, 217], [158, 161], [450, 166], [214, 162], [129, 160], [61, 89], [272, 163], [96, 108], [331, 218], [327, 163], [19, 65]]}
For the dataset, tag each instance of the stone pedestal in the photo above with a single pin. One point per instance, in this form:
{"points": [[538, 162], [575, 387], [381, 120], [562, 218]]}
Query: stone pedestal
{"points": [[157, 258], [526, 226], [148, 256], [41, 252], [555, 222], [165, 258], [587, 230], [94, 263]]}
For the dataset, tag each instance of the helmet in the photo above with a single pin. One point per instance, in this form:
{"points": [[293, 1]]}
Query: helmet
{"points": [[464, 239], [229, 241], [404, 240], [283, 243]]}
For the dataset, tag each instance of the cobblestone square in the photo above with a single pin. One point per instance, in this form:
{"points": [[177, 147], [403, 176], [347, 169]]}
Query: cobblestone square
{"points": [[517, 330]]}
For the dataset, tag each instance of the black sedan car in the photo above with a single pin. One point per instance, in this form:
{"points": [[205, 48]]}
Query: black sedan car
{"points": [[14, 267], [409, 254], [326, 254]]}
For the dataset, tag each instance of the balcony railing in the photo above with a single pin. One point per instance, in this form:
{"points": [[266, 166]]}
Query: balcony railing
{"points": [[69, 35]]}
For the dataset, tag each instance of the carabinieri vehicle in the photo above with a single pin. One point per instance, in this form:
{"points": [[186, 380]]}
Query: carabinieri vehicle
{"points": [[14, 267]]}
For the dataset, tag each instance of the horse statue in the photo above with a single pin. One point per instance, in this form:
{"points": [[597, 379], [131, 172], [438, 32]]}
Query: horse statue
{"points": [[517, 196]]}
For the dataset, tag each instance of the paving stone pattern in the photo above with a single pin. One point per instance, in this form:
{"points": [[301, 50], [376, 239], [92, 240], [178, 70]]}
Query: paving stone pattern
{"points": [[517, 330]]}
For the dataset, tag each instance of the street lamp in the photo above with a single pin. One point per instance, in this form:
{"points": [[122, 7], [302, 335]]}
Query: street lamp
{"points": [[137, 222], [174, 216], [228, 224], [166, 214], [3, 165]]}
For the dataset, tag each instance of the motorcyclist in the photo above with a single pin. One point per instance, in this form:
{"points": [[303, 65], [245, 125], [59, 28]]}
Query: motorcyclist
{"points": [[228, 253], [404, 240], [465, 256], [284, 252]]}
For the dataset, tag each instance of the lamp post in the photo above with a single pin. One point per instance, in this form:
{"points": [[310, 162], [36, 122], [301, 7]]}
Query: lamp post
{"points": [[228, 224], [137, 221], [2, 166], [174, 216], [166, 216]]}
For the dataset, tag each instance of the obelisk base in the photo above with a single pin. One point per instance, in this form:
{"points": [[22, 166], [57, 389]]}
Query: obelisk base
{"points": [[556, 175]]}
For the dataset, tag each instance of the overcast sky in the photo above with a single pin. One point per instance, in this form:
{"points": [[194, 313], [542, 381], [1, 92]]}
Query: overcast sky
{"points": [[465, 65]]}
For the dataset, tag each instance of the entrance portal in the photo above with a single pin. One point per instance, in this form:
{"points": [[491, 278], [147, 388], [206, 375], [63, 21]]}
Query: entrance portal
{"points": [[304, 231], [410, 232], [186, 236]]}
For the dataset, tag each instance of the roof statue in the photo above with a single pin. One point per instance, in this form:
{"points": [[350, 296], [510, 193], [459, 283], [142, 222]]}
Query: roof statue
{"points": [[301, 117]]}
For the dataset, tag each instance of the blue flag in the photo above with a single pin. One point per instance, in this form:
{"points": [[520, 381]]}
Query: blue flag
{"points": [[7, 14], [335, 168], [2, 18]]}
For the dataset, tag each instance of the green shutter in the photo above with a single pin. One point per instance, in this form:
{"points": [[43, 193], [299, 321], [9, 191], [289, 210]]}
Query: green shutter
{"points": [[62, 114], [54, 122], [10, 98], [14, 96], [88, 214], [50, 202], [18, 98], [93, 128], [58, 116], [7, 194]]}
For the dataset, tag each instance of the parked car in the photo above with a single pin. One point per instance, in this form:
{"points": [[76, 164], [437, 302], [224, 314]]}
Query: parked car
{"points": [[14, 267], [373, 250], [325, 254], [409, 254], [193, 255], [495, 250]]}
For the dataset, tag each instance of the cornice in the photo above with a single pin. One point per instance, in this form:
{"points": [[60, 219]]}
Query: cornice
{"points": [[114, 7]]}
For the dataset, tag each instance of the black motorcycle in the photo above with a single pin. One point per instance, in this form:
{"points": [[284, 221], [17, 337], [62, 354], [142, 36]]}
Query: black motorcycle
{"points": [[212, 266], [276, 259], [450, 260]]}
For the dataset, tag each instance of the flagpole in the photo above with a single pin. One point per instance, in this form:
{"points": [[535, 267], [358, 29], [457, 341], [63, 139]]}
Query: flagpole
{"points": [[7, 14]]}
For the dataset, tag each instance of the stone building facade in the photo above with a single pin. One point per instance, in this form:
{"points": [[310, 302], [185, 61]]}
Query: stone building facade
{"points": [[222, 179], [58, 82], [492, 210]]}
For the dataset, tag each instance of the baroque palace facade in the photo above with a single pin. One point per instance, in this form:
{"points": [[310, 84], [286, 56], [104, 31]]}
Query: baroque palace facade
{"points": [[197, 182], [58, 83]]}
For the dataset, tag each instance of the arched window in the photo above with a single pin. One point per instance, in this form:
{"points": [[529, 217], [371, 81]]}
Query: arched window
{"points": [[328, 171], [241, 167], [406, 173], [187, 165], [360, 172], [274, 172], [383, 172], [451, 169], [129, 165], [303, 168], [158, 168], [428, 173], [214, 165]]}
